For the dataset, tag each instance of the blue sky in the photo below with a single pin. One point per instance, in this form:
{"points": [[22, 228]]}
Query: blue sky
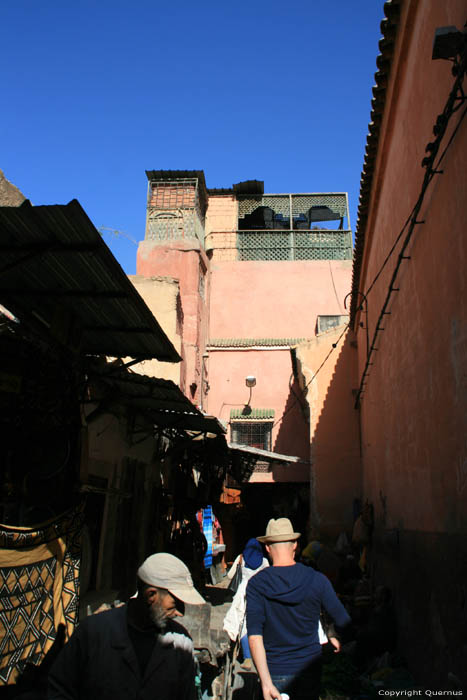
{"points": [[96, 92]]}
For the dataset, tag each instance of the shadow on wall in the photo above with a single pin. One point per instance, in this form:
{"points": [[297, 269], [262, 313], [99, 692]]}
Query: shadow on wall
{"points": [[432, 618], [335, 447], [293, 437]]}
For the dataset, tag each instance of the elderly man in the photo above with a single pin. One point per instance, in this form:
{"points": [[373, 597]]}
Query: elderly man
{"points": [[283, 608], [136, 650]]}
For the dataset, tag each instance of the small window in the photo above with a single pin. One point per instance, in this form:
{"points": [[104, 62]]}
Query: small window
{"points": [[252, 433], [325, 323]]}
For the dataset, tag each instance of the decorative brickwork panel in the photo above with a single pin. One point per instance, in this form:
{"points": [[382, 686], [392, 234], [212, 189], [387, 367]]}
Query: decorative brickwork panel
{"points": [[223, 245], [174, 211], [173, 195]]}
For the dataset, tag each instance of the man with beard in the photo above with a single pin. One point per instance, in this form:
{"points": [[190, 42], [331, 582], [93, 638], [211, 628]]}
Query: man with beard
{"points": [[136, 650]]}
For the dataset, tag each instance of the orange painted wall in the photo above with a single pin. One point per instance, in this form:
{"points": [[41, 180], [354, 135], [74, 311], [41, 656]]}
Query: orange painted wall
{"points": [[334, 429], [414, 409]]}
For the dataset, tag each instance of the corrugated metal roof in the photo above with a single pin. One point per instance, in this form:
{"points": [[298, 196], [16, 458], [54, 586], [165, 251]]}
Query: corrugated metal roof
{"points": [[248, 413], [54, 262], [389, 27], [249, 187], [253, 187], [160, 399], [252, 342]]}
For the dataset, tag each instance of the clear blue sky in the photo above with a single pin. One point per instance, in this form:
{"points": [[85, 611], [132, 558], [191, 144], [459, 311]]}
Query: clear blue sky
{"points": [[95, 92]]}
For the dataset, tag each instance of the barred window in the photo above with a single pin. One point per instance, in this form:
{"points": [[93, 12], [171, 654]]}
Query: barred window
{"points": [[252, 433]]}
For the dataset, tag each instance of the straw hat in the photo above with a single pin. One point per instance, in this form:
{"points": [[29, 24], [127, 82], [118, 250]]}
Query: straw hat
{"points": [[280, 530]]}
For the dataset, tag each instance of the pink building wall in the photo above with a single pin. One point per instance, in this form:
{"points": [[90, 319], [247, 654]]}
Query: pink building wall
{"points": [[265, 300], [275, 299], [272, 368], [242, 300], [414, 417], [186, 262], [414, 406]]}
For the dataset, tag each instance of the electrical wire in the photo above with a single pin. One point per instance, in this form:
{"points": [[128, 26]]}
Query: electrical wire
{"points": [[334, 286], [448, 111], [333, 347], [439, 130]]}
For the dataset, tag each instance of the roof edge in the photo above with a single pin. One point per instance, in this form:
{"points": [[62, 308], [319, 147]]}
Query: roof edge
{"points": [[389, 30]]}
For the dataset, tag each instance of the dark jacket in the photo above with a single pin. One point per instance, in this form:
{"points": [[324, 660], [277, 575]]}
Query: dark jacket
{"points": [[99, 663], [283, 606]]}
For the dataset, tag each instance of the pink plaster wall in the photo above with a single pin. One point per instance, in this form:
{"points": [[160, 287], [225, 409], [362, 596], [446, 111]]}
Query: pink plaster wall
{"points": [[227, 370], [265, 299], [184, 261], [414, 409], [275, 299]]}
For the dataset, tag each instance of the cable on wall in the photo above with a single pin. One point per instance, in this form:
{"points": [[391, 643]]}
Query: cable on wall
{"points": [[455, 96], [333, 347]]}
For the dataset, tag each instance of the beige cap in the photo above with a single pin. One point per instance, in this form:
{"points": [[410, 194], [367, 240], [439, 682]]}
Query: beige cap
{"points": [[279, 530], [166, 571]]}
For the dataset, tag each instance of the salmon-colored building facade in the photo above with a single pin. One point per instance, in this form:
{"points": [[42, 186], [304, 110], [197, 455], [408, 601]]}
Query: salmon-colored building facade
{"points": [[257, 274], [410, 297]]}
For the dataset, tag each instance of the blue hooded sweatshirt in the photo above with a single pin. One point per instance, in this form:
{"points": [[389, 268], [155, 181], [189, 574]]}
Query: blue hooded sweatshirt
{"points": [[283, 605]]}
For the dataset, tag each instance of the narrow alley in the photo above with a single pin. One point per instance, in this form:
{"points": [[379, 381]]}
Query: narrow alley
{"points": [[252, 450]]}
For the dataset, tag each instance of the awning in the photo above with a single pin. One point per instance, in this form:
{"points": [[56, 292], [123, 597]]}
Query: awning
{"points": [[264, 454], [159, 399], [57, 271], [245, 461], [249, 413]]}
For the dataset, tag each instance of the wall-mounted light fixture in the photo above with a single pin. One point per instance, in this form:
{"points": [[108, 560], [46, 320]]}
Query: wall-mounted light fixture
{"points": [[250, 381], [448, 43]]}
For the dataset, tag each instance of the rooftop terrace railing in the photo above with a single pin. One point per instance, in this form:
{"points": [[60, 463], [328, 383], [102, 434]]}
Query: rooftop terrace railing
{"points": [[315, 244]]}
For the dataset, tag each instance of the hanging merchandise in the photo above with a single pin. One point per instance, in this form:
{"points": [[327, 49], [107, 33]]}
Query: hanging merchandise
{"points": [[237, 577], [207, 530]]}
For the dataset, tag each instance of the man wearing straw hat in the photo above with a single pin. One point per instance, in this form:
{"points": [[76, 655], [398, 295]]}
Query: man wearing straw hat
{"points": [[283, 608], [137, 649]]}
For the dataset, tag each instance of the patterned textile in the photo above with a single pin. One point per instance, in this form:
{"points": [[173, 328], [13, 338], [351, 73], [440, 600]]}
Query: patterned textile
{"points": [[39, 588]]}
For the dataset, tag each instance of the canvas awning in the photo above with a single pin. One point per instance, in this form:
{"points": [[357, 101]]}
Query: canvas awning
{"points": [[56, 270], [263, 455], [160, 400]]}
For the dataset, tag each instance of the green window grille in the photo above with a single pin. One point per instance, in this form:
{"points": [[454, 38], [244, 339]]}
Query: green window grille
{"points": [[294, 227], [252, 433], [294, 245]]}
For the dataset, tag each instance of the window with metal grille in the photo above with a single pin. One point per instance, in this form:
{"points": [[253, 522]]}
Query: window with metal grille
{"points": [[252, 433]]}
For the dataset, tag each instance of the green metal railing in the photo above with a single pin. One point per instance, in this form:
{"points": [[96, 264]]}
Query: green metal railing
{"points": [[322, 244]]}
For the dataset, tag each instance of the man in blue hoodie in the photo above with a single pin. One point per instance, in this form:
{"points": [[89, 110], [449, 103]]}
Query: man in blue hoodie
{"points": [[283, 607]]}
